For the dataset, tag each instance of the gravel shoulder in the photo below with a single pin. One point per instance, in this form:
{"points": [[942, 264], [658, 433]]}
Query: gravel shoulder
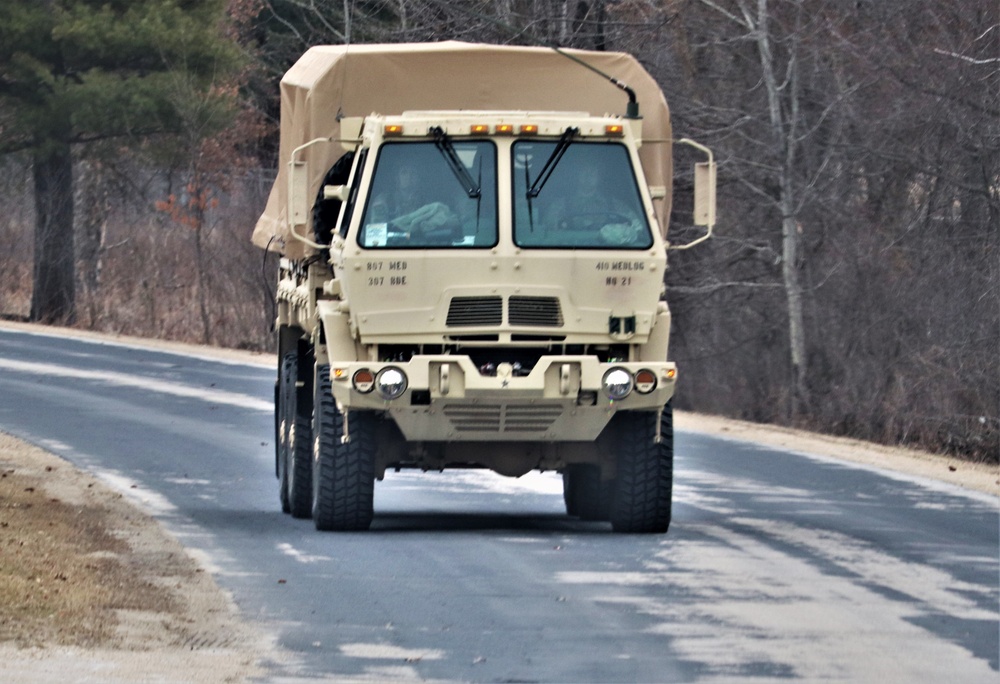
{"points": [[91, 585], [979, 477]]}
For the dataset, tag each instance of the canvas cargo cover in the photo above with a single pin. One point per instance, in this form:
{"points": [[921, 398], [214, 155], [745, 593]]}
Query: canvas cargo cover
{"points": [[359, 80]]}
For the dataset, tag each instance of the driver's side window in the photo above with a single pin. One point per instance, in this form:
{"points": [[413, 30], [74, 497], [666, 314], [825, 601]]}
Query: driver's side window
{"points": [[352, 199]]}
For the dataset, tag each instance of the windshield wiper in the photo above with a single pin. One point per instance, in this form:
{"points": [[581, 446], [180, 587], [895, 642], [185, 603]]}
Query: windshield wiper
{"points": [[531, 209], [550, 164], [443, 143], [479, 195]]}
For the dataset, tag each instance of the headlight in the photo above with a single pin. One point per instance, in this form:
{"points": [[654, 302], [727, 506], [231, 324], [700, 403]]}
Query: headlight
{"points": [[390, 382], [617, 383]]}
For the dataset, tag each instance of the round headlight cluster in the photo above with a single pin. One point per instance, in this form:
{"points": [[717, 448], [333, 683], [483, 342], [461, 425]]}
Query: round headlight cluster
{"points": [[390, 382], [618, 383]]}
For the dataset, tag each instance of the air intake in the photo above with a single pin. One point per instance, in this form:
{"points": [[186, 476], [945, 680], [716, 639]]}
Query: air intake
{"points": [[535, 311], [498, 418], [473, 311]]}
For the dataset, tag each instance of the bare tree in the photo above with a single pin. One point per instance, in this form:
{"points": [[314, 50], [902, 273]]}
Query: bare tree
{"points": [[785, 35], [886, 125]]}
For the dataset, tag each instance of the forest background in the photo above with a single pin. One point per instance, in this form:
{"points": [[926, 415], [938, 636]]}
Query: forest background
{"points": [[853, 285]]}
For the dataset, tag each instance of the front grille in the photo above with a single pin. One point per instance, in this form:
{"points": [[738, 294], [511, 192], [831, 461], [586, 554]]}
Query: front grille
{"points": [[535, 311], [471, 311], [479, 418], [530, 418], [499, 418], [521, 311]]}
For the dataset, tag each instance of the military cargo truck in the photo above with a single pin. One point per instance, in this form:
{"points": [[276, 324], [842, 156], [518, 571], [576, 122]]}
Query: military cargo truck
{"points": [[473, 245]]}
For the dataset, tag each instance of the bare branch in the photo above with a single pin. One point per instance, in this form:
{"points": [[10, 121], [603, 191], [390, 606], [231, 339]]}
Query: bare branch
{"points": [[964, 58]]}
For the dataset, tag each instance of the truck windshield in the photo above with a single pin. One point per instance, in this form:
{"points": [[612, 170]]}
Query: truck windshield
{"points": [[417, 199], [591, 199]]}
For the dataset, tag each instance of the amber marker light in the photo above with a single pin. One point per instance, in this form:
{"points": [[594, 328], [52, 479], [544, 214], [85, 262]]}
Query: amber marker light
{"points": [[391, 130], [671, 373], [616, 130], [504, 129], [529, 129], [479, 129]]}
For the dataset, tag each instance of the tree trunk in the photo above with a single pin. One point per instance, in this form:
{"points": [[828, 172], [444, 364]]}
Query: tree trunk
{"points": [[790, 239], [785, 126], [206, 325], [54, 293], [93, 205]]}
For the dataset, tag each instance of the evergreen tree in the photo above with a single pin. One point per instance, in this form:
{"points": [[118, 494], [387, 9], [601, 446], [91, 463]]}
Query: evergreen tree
{"points": [[78, 71]]}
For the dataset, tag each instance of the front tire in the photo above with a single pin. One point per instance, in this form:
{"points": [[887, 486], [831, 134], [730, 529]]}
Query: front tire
{"points": [[644, 487], [343, 475]]}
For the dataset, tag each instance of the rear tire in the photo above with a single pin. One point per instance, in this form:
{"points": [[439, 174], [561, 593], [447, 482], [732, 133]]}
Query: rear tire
{"points": [[644, 487], [296, 440], [278, 439], [282, 428], [343, 475]]}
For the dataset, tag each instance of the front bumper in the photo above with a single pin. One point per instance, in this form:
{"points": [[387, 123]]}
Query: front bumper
{"points": [[447, 398]]}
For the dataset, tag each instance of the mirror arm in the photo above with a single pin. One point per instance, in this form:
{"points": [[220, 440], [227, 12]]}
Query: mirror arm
{"points": [[297, 187]]}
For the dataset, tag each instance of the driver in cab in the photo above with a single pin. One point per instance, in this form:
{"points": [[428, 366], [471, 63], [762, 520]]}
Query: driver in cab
{"points": [[412, 211]]}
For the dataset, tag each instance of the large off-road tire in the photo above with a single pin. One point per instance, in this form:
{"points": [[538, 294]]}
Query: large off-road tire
{"points": [[295, 440], [278, 453], [644, 485], [343, 472], [281, 429], [585, 493]]}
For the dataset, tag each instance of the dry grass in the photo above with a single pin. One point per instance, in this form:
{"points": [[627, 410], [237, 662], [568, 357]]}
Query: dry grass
{"points": [[82, 568], [64, 573]]}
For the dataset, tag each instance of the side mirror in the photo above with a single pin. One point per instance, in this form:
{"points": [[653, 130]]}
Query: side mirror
{"points": [[298, 200], [704, 194]]}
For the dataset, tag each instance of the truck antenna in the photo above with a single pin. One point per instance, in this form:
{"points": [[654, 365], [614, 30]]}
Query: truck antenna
{"points": [[632, 109]]}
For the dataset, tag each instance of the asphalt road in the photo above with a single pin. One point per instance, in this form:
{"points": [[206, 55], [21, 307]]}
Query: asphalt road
{"points": [[777, 567]]}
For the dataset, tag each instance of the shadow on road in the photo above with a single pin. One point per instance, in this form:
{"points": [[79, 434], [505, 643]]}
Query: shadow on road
{"points": [[465, 522]]}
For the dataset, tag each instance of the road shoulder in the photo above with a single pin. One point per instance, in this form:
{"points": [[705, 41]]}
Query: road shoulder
{"points": [[978, 477], [96, 588]]}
